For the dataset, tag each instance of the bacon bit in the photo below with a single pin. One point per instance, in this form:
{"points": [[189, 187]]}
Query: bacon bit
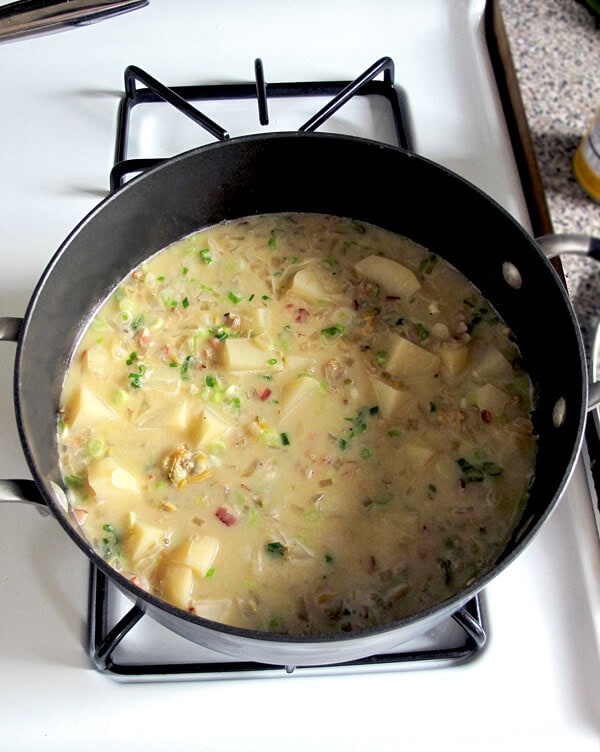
{"points": [[80, 515], [263, 393], [301, 315], [227, 516], [145, 338], [486, 416]]}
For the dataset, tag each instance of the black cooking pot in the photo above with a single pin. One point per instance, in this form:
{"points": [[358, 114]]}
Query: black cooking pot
{"points": [[304, 172]]}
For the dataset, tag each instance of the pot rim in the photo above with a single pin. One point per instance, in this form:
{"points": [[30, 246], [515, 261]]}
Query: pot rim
{"points": [[284, 641]]}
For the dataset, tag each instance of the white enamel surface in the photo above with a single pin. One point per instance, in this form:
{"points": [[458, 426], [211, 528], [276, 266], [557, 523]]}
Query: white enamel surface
{"points": [[538, 681]]}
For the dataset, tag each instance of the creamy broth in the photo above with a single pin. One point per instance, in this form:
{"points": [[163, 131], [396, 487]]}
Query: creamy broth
{"points": [[297, 423]]}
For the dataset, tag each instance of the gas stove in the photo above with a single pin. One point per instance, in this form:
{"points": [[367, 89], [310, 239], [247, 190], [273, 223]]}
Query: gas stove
{"points": [[84, 111]]}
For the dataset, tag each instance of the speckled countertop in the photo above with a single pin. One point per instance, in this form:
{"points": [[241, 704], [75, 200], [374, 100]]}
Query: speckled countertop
{"points": [[555, 48]]}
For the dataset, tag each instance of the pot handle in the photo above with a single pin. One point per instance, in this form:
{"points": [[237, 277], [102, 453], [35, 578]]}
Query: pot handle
{"points": [[24, 491], [10, 328], [582, 245]]}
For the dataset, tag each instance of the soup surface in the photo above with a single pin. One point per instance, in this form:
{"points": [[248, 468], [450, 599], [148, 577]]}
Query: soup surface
{"points": [[297, 423]]}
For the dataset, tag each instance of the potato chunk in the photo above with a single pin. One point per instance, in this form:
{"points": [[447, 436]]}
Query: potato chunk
{"points": [[143, 540], [418, 455], [86, 410], [395, 278], [177, 582], [454, 357], [198, 554], [311, 284], [296, 391], [390, 399], [254, 321], [174, 417], [489, 397], [109, 480], [491, 365], [241, 354], [405, 359], [207, 427]]}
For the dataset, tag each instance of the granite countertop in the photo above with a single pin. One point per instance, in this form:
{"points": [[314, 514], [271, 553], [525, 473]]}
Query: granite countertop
{"points": [[555, 47]]}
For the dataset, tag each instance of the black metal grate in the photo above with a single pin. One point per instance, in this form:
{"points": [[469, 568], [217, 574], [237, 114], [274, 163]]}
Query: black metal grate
{"points": [[107, 633], [183, 97]]}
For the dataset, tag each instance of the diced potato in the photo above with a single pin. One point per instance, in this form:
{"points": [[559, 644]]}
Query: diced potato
{"points": [[454, 357], [491, 365], [198, 554], [489, 397], [143, 540], [177, 583], [86, 410], [110, 481], [174, 417], [390, 399], [296, 391], [254, 321], [311, 284], [418, 455], [395, 278], [207, 427], [241, 354], [215, 610], [405, 359], [97, 361]]}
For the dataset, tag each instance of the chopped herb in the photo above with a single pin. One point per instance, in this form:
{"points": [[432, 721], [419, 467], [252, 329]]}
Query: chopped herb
{"points": [[265, 297], [95, 447], [184, 271], [251, 297], [374, 410], [431, 488], [426, 266], [329, 559], [272, 241], [73, 481], [272, 361], [360, 229], [210, 572], [365, 453], [137, 322], [131, 358], [211, 381], [446, 567], [235, 297], [205, 256], [135, 380], [275, 549], [285, 439], [381, 357], [185, 368], [478, 473], [333, 331], [432, 407], [185, 302], [422, 332], [394, 433]]}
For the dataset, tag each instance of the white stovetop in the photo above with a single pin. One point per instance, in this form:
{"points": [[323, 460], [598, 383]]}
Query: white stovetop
{"points": [[538, 681]]}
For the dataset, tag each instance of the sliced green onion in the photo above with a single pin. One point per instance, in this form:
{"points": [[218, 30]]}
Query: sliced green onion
{"points": [[333, 331]]}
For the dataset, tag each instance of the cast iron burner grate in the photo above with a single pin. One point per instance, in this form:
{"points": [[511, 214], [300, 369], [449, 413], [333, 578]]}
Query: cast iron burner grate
{"points": [[464, 635]]}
